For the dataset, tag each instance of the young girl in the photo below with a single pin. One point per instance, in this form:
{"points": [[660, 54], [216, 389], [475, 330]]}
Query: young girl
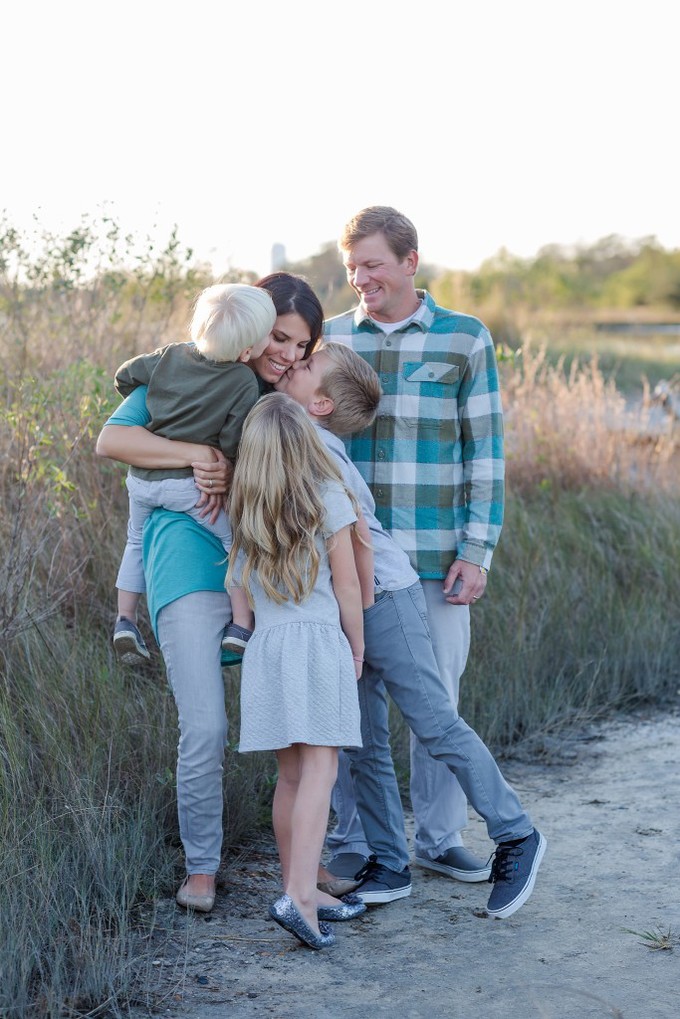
{"points": [[292, 562]]}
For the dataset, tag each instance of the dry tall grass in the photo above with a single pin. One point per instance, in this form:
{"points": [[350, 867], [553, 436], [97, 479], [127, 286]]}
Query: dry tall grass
{"points": [[573, 429], [581, 614], [87, 751]]}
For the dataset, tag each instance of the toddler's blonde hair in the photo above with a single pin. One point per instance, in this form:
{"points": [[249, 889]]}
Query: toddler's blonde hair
{"points": [[229, 318]]}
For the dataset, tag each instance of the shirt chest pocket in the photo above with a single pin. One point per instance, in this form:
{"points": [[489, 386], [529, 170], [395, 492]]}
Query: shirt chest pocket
{"points": [[435, 372], [428, 401]]}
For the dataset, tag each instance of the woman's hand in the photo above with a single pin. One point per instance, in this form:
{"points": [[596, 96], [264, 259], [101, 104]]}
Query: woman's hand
{"points": [[213, 480]]}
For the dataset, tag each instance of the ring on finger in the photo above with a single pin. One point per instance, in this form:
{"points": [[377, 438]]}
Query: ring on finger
{"points": [[210, 483]]}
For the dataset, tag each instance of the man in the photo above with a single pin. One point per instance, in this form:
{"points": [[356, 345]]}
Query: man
{"points": [[434, 462]]}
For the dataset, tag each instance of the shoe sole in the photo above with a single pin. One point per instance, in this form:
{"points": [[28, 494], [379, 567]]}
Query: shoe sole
{"points": [[458, 875], [128, 650], [389, 895], [234, 646], [520, 899]]}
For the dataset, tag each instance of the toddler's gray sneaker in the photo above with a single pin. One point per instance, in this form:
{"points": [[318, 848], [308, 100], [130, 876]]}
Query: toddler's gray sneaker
{"points": [[235, 638], [128, 643]]}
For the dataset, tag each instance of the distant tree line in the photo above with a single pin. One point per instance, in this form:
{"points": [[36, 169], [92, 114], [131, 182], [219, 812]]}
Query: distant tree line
{"points": [[613, 274], [52, 277]]}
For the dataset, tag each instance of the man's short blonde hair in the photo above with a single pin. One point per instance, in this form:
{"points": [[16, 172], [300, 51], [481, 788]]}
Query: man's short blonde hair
{"points": [[398, 231], [229, 318], [354, 388]]}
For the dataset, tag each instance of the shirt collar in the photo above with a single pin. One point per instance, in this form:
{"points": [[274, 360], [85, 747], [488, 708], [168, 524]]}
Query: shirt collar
{"points": [[422, 319]]}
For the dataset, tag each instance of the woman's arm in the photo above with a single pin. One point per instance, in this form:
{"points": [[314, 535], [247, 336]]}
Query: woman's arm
{"points": [[347, 591], [124, 437], [135, 445]]}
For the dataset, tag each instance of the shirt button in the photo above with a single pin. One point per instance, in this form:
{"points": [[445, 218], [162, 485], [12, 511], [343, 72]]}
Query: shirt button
{"points": [[381, 454], [388, 343]]}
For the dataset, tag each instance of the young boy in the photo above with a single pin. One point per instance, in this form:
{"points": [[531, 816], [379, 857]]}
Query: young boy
{"points": [[199, 392], [341, 394]]}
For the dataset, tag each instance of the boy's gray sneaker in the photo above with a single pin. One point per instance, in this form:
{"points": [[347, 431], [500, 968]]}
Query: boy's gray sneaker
{"points": [[380, 884], [513, 873], [128, 643]]}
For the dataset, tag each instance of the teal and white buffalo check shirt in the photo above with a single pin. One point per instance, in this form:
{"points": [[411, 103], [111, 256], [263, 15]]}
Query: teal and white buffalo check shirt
{"points": [[434, 456]]}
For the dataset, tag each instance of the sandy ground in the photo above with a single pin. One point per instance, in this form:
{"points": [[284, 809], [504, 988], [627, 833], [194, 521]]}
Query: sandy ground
{"points": [[607, 802]]}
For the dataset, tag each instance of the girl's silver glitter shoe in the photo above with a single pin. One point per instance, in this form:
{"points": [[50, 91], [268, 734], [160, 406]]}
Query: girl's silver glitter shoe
{"points": [[286, 914], [351, 906]]}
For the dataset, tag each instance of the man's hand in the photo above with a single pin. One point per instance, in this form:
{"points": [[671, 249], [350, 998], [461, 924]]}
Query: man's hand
{"points": [[473, 583]]}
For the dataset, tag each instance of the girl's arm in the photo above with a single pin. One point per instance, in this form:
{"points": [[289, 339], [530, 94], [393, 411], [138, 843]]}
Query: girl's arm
{"points": [[363, 557], [347, 590]]}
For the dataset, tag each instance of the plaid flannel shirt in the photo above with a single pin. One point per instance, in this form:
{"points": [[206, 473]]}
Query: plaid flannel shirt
{"points": [[434, 456]]}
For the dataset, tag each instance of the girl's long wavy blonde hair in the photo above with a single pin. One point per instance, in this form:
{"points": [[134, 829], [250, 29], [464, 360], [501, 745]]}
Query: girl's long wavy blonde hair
{"points": [[275, 506]]}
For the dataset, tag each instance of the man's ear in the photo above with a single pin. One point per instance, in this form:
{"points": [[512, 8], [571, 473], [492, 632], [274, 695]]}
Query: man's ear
{"points": [[321, 406]]}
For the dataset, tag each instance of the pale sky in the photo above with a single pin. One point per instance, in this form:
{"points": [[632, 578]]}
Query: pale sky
{"points": [[488, 124]]}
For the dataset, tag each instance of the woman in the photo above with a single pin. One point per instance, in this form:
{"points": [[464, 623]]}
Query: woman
{"points": [[185, 587]]}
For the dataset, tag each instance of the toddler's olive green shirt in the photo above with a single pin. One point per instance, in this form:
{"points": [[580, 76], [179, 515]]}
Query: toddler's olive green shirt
{"points": [[191, 398]]}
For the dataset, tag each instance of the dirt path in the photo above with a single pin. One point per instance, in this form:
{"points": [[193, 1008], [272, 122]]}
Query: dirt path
{"points": [[610, 811]]}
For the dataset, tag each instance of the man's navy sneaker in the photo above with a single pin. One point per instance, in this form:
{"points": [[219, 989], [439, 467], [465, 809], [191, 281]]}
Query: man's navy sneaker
{"points": [[513, 873]]}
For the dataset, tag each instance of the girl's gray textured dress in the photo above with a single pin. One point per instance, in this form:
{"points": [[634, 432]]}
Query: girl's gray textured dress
{"points": [[297, 679]]}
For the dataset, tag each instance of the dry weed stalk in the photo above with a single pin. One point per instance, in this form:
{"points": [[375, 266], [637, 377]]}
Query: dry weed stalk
{"points": [[573, 429]]}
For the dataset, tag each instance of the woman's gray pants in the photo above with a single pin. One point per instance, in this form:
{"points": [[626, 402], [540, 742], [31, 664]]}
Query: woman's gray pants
{"points": [[190, 636]]}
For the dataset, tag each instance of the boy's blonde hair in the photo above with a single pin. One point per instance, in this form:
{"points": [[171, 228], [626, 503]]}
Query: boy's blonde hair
{"points": [[275, 503], [354, 388], [229, 318]]}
